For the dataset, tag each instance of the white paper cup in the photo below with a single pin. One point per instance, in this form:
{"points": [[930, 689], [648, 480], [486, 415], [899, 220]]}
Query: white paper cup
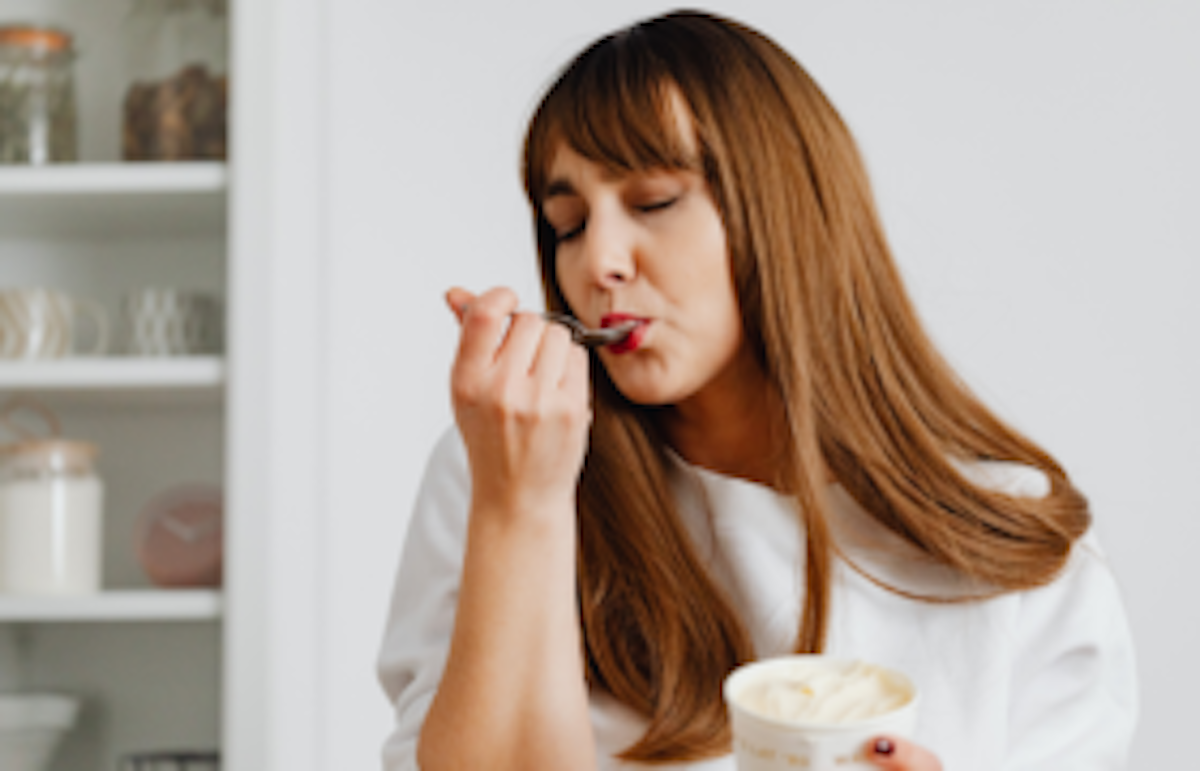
{"points": [[762, 743]]}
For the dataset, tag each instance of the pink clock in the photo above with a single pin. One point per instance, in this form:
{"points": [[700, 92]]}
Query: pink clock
{"points": [[180, 537]]}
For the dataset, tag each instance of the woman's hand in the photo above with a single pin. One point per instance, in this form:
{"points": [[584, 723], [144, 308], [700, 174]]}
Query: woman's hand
{"points": [[521, 400], [896, 754]]}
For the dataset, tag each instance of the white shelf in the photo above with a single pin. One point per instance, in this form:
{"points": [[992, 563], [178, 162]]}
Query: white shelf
{"points": [[191, 373], [113, 199], [106, 178], [119, 605]]}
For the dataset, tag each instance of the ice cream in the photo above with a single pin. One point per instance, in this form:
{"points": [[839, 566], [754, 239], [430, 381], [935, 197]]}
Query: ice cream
{"points": [[816, 691]]}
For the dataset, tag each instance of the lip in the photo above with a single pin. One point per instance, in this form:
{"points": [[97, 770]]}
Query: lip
{"points": [[633, 340]]}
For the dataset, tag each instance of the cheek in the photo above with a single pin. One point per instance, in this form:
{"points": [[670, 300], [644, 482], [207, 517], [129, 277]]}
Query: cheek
{"points": [[721, 324], [717, 310], [568, 282], [707, 249]]}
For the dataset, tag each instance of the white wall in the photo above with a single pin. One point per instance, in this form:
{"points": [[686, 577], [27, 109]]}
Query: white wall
{"points": [[1037, 166]]}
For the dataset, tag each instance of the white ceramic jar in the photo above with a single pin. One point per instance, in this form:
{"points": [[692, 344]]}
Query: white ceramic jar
{"points": [[51, 518]]}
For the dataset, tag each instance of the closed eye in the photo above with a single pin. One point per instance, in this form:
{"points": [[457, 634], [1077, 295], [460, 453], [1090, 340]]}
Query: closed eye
{"points": [[657, 205], [570, 234], [646, 208]]}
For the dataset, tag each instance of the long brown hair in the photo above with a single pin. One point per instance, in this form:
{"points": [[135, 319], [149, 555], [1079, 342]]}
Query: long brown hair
{"points": [[866, 394]]}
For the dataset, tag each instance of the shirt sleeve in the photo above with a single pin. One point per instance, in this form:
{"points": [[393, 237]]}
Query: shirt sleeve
{"points": [[1075, 700], [421, 620]]}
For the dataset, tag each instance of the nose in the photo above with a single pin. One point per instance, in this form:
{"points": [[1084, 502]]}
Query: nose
{"points": [[609, 252]]}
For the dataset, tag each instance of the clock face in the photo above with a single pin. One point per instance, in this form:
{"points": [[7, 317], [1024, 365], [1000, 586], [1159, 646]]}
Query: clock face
{"points": [[181, 537]]}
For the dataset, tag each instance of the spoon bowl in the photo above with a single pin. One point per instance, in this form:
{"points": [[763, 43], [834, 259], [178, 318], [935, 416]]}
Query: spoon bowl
{"points": [[588, 337]]}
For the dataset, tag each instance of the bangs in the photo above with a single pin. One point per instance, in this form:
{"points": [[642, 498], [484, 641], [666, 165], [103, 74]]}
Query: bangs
{"points": [[618, 106]]}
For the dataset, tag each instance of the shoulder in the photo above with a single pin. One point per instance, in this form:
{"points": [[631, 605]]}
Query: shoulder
{"points": [[424, 596], [1087, 570], [431, 559], [448, 455], [1075, 681], [1087, 564], [1085, 590], [1015, 479], [439, 513], [446, 474]]}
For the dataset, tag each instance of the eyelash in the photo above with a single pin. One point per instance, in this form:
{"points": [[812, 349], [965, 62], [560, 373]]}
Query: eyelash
{"points": [[651, 207], [646, 209], [568, 235]]}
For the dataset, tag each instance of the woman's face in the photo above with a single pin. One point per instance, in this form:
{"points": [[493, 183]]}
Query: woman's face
{"points": [[648, 246]]}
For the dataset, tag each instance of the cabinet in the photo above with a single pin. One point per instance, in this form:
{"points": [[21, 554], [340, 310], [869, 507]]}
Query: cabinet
{"points": [[148, 662]]}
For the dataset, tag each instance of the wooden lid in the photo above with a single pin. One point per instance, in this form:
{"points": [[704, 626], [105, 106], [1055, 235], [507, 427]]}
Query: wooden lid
{"points": [[49, 454]]}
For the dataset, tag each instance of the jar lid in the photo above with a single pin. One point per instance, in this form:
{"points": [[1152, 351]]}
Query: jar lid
{"points": [[49, 452], [44, 39]]}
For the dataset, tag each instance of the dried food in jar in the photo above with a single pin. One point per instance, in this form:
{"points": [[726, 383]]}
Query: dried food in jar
{"points": [[180, 118], [37, 96]]}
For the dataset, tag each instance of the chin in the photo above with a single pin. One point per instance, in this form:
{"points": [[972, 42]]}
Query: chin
{"points": [[650, 394]]}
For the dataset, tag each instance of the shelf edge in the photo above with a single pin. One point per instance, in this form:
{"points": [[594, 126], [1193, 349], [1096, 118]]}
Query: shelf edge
{"points": [[114, 178], [116, 606], [113, 374]]}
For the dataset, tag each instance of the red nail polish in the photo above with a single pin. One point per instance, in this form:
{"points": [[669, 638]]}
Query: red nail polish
{"points": [[884, 747]]}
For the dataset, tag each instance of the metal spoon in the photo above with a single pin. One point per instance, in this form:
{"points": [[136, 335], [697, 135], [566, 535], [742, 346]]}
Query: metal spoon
{"points": [[592, 338]]}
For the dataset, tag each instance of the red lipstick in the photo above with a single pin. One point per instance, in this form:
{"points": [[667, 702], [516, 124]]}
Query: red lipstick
{"points": [[633, 340]]}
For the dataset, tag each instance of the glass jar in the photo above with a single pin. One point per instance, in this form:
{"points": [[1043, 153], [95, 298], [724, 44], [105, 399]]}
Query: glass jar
{"points": [[37, 96], [176, 102], [51, 518]]}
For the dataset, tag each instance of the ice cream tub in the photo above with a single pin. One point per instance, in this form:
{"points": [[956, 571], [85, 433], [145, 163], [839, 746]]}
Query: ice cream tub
{"points": [[815, 712]]}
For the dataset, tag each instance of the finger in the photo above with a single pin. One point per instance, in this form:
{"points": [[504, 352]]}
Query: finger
{"points": [[896, 754], [459, 299], [519, 349], [485, 318], [483, 324], [498, 302], [576, 374], [551, 355]]}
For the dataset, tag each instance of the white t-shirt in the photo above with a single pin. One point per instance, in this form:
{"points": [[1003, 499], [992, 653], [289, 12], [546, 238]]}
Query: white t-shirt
{"points": [[1042, 679]]}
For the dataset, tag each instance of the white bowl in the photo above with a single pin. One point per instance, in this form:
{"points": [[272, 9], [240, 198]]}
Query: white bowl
{"points": [[31, 726]]}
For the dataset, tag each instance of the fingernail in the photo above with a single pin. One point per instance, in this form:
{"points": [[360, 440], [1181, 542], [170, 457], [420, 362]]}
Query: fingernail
{"points": [[884, 747]]}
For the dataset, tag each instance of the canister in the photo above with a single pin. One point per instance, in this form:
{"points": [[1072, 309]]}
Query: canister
{"points": [[51, 518]]}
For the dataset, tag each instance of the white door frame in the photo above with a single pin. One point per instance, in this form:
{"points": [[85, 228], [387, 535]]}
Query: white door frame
{"points": [[272, 711]]}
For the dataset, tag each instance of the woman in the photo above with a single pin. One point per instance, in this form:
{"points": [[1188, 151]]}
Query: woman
{"points": [[774, 460]]}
